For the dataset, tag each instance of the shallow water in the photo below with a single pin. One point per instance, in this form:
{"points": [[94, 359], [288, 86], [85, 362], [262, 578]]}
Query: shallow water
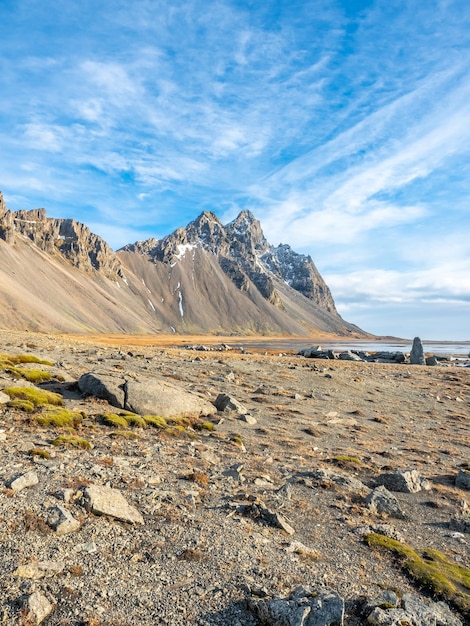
{"points": [[453, 348]]}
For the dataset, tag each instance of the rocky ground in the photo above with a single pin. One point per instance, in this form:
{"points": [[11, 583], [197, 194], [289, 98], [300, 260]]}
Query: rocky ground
{"points": [[185, 525]]}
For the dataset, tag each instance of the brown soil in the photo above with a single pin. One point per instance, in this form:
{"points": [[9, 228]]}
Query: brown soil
{"points": [[198, 556]]}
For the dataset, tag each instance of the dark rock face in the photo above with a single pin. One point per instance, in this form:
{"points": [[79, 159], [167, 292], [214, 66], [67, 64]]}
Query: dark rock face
{"points": [[7, 232], [245, 256], [69, 238]]}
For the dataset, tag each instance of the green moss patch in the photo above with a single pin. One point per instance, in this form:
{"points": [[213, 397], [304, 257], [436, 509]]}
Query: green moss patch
{"points": [[22, 405], [31, 375], [44, 454], [38, 397], [123, 420], [157, 421], [57, 416], [72, 440], [16, 359], [431, 569]]}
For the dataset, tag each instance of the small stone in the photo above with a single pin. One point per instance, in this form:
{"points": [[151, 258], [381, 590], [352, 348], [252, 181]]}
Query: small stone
{"points": [[22, 482], [4, 398], [89, 547], [249, 419], [274, 519], [463, 480], [62, 521], [223, 402], [37, 608], [43, 569]]}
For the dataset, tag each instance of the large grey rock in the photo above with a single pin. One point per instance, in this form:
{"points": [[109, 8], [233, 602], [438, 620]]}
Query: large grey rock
{"points": [[380, 501], [413, 610], [155, 396], [107, 501], [103, 386], [347, 482], [417, 353], [384, 356], [301, 608], [406, 481], [349, 356], [146, 396], [424, 613]]}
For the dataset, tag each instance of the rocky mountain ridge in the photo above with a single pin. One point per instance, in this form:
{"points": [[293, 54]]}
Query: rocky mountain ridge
{"points": [[207, 278]]}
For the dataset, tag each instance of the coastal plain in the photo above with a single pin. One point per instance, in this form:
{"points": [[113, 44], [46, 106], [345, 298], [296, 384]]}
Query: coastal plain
{"points": [[273, 496]]}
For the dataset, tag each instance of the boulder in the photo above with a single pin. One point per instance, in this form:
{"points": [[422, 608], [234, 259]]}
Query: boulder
{"points": [[155, 396], [36, 607], [301, 608], [103, 386], [349, 356], [417, 353], [145, 396], [62, 521], [41, 569]]}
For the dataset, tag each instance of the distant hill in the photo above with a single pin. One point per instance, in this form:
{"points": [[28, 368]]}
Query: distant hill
{"points": [[57, 276]]}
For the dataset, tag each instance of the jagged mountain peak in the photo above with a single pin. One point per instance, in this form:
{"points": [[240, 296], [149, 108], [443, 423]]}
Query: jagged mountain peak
{"points": [[204, 277]]}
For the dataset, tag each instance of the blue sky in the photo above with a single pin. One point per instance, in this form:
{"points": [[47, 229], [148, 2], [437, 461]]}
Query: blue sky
{"points": [[344, 126]]}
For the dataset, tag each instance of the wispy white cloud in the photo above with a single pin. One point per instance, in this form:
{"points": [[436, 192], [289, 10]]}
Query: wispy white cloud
{"points": [[345, 129]]}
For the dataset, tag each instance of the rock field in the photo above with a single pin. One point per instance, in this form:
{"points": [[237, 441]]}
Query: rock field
{"points": [[170, 486]]}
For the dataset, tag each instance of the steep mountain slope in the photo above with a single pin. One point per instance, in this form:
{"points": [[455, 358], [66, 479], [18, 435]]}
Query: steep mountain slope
{"points": [[55, 275]]}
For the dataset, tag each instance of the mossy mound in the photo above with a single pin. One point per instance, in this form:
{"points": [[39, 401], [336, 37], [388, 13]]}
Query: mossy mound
{"points": [[122, 420], [157, 421], [57, 416], [22, 405], [72, 440], [44, 454], [431, 569], [31, 375], [8, 360], [38, 397]]}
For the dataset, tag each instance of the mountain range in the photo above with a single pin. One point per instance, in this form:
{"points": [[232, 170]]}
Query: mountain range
{"points": [[206, 278]]}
